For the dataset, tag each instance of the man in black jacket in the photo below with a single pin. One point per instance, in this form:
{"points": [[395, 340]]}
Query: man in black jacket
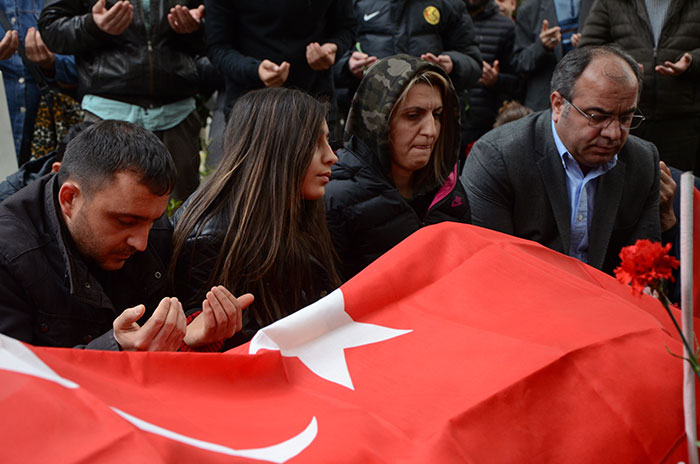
{"points": [[440, 32], [545, 31], [136, 64], [278, 42], [84, 253]]}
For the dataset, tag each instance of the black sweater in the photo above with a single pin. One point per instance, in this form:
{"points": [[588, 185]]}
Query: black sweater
{"points": [[241, 34]]}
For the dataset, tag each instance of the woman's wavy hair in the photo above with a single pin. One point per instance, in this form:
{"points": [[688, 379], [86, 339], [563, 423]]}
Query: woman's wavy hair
{"points": [[436, 171], [273, 234]]}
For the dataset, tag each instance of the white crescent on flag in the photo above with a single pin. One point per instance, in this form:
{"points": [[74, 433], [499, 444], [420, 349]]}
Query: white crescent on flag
{"points": [[16, 357]]}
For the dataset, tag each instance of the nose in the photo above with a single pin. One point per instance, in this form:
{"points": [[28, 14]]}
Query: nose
{"points": [[613, 130], [329, 156], [138, 239], [430, 126]]}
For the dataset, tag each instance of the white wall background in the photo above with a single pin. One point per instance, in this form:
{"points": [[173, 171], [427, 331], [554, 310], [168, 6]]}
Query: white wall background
{"points": [[8, 159]]}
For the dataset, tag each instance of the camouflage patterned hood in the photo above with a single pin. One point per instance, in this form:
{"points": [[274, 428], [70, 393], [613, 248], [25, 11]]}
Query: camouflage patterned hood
{"points": [[368, 119]]}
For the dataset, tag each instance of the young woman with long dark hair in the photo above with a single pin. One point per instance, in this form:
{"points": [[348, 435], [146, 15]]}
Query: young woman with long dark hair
{"points": [[258, 224]]}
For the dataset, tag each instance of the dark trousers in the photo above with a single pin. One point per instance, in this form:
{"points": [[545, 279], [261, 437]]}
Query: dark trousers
{"points": [[182, 141], [678, 141]]}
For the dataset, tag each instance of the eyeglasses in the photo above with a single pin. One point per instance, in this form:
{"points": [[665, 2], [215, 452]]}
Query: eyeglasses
{"points": [[627, 121]]}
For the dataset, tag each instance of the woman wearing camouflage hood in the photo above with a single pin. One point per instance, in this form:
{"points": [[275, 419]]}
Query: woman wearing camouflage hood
{"points": [[398, 170]]}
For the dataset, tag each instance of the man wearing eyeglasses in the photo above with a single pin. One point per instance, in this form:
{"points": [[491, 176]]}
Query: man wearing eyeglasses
{"points": [[571, 178]]}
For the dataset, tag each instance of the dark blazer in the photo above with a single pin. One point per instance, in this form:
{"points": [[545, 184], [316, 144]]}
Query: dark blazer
{"points": [[516, 184], [146, 69]]}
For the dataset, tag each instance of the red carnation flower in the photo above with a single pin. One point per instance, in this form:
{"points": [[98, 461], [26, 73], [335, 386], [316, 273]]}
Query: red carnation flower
{"points": [[645, 264]]}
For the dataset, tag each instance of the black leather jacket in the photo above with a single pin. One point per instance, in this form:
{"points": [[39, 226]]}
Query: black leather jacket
{"points": [[148, 67], [49, 296]]}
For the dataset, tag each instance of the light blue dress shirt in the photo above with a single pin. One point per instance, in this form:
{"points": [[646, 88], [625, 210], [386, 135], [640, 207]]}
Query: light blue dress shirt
{"points": [[154, 119], [581, 189], [567, 17]]}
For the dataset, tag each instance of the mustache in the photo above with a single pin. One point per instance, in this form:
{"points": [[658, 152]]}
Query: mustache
{"points": [[125, 251]]}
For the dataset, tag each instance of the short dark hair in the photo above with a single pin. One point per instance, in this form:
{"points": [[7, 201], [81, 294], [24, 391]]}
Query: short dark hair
{"points": [[107, 147], [574, 63]]}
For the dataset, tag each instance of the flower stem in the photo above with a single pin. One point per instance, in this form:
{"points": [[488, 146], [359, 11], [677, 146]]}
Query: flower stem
{"points": [[692, 359]]}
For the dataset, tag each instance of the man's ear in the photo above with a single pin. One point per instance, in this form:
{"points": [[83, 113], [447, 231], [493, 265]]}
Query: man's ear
{"points": [[557, 102], [69, 197]]}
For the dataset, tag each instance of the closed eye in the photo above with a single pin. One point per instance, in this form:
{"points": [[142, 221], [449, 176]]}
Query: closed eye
{"points": [[126, 222], [626, 118]]}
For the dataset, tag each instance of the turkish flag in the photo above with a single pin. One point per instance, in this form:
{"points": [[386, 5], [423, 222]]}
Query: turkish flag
{"points": [[461, 344]]}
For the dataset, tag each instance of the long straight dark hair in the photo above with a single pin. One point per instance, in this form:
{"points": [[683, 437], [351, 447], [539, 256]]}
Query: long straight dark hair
{"points": [[273, 234]]}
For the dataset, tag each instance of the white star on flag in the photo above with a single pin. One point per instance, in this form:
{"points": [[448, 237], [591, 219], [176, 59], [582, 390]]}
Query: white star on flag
{"points": [[318, 336]]}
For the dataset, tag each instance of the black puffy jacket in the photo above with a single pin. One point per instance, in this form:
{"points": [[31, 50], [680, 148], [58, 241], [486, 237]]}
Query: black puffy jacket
{"points": [[367, 216], [495, 34], [389, 27], [365, 212], [144, 67]]}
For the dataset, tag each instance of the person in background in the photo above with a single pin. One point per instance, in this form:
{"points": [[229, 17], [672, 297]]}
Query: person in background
{"points": [[257, 223], [545, 31], [398, 171], [507, 7], [275, 43], [135, 69], [36, 168], [664, 37], [499, 81], [18, 19], [511, 111]]}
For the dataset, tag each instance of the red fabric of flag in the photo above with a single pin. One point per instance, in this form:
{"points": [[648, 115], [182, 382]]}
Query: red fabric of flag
{"points": [[459, 345]]}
